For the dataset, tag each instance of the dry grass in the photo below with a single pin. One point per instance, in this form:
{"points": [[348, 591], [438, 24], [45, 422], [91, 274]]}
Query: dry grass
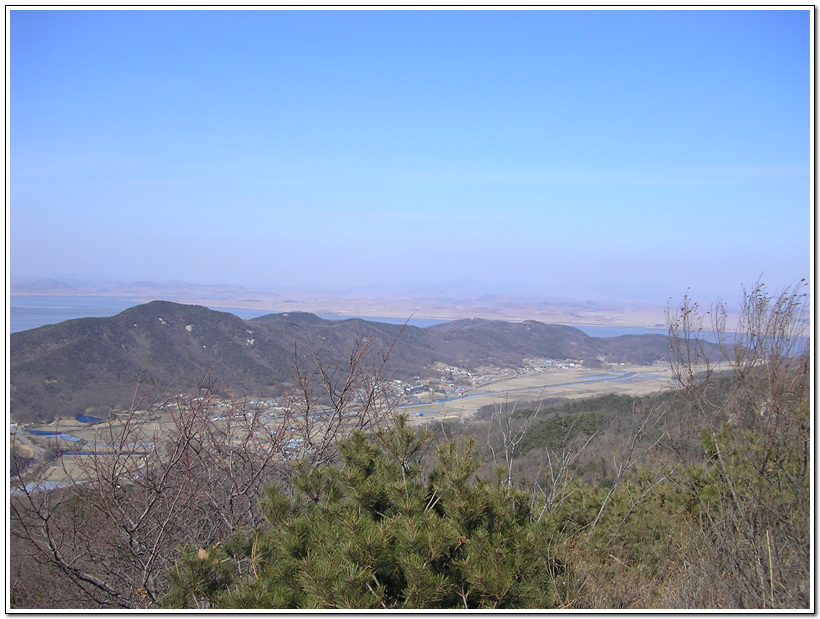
{"points": [[552, 383]]}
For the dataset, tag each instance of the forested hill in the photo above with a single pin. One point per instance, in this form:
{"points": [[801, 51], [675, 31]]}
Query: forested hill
{"points": [[67, 368]]}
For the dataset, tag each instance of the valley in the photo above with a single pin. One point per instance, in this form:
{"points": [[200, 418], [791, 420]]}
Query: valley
{"points": [[92, 365], [80, 386], [66, 447], [543, 379]]}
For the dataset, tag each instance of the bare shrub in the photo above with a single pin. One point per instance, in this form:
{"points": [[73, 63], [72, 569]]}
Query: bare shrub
{"points": [[753, 484], [141, 490]]}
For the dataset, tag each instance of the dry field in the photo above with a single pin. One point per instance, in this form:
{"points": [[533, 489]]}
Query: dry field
{"points": [[570, 383], [73, 466], [553, 382]]}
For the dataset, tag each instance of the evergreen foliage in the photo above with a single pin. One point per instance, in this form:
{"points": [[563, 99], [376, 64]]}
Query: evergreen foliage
{"points": [[378, 532]]}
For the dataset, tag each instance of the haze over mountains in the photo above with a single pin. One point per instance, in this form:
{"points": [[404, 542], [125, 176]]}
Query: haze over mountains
{"points": [[600, 304], [93, 364]]}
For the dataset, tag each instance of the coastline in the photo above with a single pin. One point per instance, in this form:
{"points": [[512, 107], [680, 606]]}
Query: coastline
{"points": [[344, 306]]}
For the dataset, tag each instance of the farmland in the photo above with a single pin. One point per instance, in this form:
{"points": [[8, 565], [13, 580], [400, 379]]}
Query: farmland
{"points": [[66, 446]]}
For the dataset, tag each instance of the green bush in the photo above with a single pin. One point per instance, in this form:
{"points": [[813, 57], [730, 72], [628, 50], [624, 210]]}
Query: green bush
{"points": [[380, 533]]}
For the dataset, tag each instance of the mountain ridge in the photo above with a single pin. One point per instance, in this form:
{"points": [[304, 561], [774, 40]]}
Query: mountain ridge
{"points": [[93, 364]]}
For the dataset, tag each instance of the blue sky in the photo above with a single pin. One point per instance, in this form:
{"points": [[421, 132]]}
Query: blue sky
{"points": [[522, 151]]}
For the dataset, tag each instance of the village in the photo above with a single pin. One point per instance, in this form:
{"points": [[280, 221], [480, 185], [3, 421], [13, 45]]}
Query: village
{"points": [[453, 394]]}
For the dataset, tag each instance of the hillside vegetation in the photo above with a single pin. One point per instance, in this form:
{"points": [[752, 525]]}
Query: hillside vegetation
{"points": [[91, 365], [698, 497]]}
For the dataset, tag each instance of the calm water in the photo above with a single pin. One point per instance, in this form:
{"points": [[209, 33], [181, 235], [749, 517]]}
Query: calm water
{"points": [[31, 312], [608, 331], [36, 311]]}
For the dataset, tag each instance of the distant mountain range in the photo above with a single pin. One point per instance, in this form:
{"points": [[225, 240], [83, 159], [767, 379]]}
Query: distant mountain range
{"points": [[131, 289], [593, 305], [585, 292], [92, 364]]}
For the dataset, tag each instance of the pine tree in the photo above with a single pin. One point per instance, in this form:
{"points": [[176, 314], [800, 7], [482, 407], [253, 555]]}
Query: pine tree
{"points": [[378, 532]]}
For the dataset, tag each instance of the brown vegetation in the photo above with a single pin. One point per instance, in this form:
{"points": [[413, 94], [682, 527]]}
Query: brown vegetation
{"points": [[695, 498], [103, 539]]}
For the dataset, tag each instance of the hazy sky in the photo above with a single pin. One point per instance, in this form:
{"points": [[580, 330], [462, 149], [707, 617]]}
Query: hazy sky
{"points": [[519, 150]]}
